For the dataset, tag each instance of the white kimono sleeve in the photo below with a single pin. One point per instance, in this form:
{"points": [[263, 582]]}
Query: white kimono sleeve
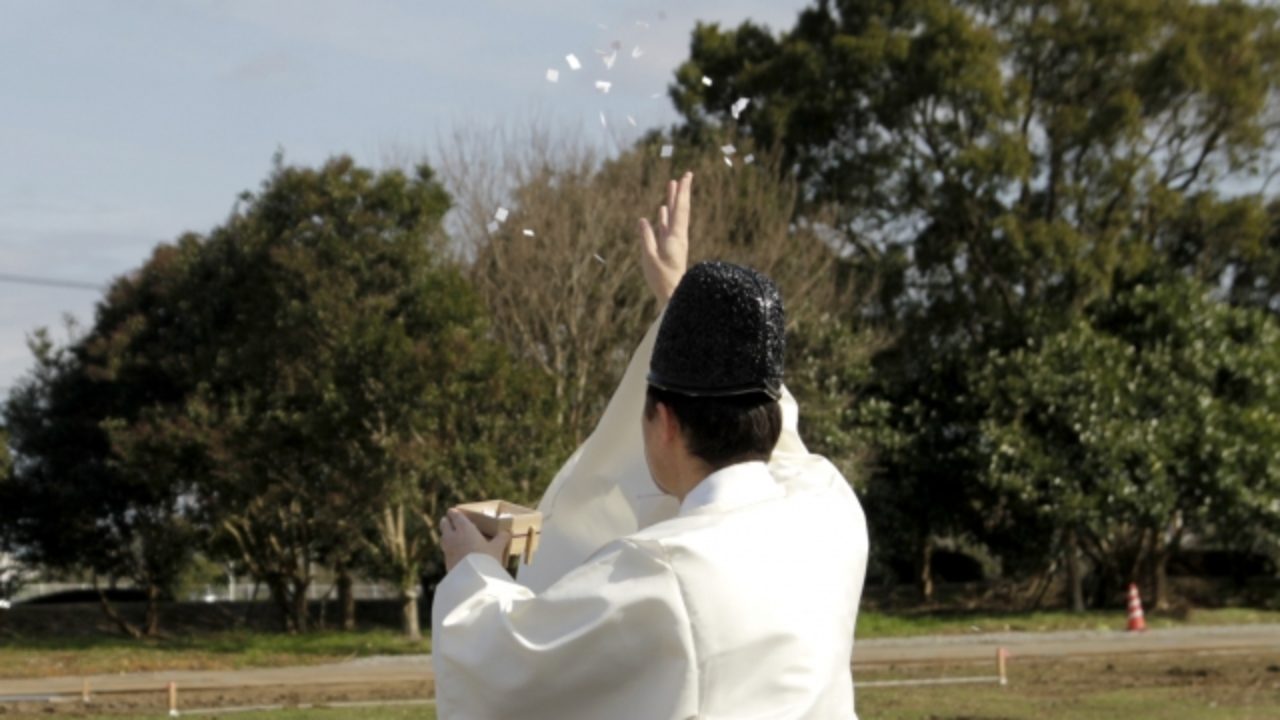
{"points": [[609, 640]]}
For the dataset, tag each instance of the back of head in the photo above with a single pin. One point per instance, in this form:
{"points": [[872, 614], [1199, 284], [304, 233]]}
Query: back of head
{"points": [[718, 363]]}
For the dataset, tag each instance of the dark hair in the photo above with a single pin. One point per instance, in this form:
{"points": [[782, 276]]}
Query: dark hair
{"points": [[723, 431]]}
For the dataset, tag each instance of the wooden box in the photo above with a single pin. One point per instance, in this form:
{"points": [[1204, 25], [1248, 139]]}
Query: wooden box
{"points": [[494, 516]]}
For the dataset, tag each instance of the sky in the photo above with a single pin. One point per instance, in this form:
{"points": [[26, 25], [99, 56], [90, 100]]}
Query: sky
{"points": [[124, 124]]}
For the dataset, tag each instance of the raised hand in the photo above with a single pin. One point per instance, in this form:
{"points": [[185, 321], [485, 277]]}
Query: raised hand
{"points": [[664, 255]]}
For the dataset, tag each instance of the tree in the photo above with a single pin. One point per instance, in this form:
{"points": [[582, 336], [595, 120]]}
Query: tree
{"points": [[1156, 417], [336, 386], [71, 504], [1001, 167], [581, 319]]}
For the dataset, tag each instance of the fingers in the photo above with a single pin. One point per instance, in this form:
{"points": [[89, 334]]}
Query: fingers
{"points": [[664, 220], [673, 191], [648, 241], [499, 544], [683, 201]]}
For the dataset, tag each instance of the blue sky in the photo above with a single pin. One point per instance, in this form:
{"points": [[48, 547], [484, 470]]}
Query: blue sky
{"points": [[125, 123]]}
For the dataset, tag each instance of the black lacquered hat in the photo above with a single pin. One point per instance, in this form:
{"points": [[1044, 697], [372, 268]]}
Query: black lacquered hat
{"points": [[724, 333]]}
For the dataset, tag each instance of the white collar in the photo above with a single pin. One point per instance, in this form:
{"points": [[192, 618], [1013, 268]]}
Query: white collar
{"points": [[732, 487]]}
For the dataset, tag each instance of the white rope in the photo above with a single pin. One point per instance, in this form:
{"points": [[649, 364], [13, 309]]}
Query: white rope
{"points": [[929, 681]]}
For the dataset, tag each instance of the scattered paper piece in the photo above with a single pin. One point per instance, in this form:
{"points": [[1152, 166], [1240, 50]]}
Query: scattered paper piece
{"points": [[598, 258], [501, 215], [749, 159], [728, 161], [728, 149], [636, 53], [739, 106], [631, 121], [610, 59], [668, 151], [528, 232], [642, 25], [603, 120], [574, 63], [553, 75], [603, 86], [493, 226], [706, 81]]}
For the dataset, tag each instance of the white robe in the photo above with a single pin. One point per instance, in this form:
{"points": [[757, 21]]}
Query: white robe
{"points": [[742, 606], [739, 603]]}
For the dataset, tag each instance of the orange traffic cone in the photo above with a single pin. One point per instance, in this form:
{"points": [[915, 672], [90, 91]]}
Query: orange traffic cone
{"points": [[1137, 623]]}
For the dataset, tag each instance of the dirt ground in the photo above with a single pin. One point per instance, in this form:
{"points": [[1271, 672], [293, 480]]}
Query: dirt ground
{"points": [[1165, 675], [1167, 686], [1201, 685]]}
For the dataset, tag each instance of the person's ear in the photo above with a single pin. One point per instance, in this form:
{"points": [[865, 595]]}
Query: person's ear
{"points": [[669, 424]]}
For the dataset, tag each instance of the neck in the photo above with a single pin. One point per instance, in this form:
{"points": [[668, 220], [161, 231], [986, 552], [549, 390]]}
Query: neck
{"points": [[688, 476]]}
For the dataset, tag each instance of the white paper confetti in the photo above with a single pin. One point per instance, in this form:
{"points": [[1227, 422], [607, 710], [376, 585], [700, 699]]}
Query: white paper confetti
{"points": [[610, 59], [603, 120], [528, 232], [706, 81], [553, 75], [642, 25], [493, 226], [603, 86], [749, 159], [636, 53], [728, 149], [598, 258], [728, 161], [739, 106], [501, 215], [574, 63], [668, 150], [631, 121]]}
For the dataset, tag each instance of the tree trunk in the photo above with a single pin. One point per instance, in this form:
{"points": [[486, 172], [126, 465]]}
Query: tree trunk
{"points": [[1074, 577], [346, 599], [301, 616], [125, 626], [926, 571], [153, 610], [1160, 578], [409, 610], [279, 590]]}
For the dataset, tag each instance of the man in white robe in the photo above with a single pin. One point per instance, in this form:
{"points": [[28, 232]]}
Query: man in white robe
{"points": [[730, 592]]}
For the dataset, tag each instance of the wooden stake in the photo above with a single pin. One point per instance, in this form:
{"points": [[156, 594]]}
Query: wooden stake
{"points": [[173, 699], [1002, 659]]}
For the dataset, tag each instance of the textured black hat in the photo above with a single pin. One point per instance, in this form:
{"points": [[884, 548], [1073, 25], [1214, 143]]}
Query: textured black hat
{"points": [[723, 334]]}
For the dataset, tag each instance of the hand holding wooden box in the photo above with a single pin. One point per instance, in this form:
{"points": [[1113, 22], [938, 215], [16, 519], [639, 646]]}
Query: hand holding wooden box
{"points": [[494, 516]]}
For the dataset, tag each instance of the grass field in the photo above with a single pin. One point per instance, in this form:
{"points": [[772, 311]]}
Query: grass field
{"points": [[229, 651], [225, 651], [878, 625]]}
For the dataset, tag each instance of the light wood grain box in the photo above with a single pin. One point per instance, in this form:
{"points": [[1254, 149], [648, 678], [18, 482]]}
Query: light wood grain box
{"points": [[493, 516]]}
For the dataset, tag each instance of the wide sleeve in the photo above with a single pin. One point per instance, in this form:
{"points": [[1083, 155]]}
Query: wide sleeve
{"points": [[604, 491], [609, 640]]}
